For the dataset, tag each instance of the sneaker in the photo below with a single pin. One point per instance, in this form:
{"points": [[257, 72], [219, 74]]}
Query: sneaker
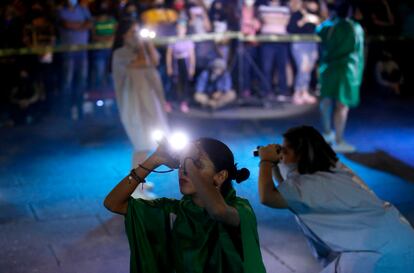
{"points": [[283, 98], [184, 107], [329, 137], [343, 147], [298, 100], [309, 98]]}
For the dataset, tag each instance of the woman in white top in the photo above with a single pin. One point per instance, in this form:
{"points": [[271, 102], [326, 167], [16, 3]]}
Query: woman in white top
{"points": [[349, 228], [138, 89]]}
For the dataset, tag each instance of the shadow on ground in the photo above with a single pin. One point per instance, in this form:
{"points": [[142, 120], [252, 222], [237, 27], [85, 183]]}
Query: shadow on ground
{"points": [[382, 161]]}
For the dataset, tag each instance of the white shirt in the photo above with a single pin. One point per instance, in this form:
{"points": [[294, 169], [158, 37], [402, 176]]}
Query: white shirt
{"points": [[340, 210]]}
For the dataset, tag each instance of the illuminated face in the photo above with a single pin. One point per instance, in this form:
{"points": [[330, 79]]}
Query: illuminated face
{"points": [[205, 168], [288, 154]]}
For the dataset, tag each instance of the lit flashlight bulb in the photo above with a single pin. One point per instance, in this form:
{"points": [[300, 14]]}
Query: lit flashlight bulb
{"points": [[152, 34], [144, 33], [158, 135], [178, 141]]}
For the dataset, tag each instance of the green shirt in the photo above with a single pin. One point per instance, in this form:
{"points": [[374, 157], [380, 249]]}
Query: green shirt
{"points": [[342, 60], [167, 235]]}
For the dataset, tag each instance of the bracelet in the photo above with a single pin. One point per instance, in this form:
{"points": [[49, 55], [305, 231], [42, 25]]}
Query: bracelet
{"points": [[269, 161], [133, 175]]}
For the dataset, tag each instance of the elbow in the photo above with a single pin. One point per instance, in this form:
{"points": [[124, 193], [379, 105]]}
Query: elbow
{"points": [[108, 204]]}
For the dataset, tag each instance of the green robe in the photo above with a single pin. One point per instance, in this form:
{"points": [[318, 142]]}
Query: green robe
{"points": [[342, 60], [167, 235]]}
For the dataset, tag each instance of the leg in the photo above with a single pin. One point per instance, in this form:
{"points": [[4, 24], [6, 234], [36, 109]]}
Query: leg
{"points": [[281, 60], [340, 118], [267, 56], [326, 113]]}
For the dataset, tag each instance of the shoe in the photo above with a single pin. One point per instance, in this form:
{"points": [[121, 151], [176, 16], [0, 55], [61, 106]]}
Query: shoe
{"points": [[298, 100], [184, 107], [168, 107], [343, 147], [309, 98], [329, 137], [283, 98], [246, 94]]}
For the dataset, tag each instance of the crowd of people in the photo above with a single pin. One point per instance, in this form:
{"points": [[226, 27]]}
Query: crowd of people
{"points": [[206, 73]]}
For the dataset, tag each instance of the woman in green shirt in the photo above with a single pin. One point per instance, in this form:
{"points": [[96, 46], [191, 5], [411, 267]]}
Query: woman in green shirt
{"points": [[341, 68], [209, 230]]}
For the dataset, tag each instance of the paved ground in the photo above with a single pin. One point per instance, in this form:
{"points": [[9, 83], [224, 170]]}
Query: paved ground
{"points": [[54, 175]]}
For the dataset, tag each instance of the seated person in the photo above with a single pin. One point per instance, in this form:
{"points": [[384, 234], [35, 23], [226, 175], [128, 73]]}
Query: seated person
{"points": [[209, 230], [214, 87]]}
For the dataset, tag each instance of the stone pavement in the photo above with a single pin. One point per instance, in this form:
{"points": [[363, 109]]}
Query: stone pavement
{"points": [[54, 176]]}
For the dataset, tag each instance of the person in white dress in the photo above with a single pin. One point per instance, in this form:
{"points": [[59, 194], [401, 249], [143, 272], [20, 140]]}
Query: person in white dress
{"points": [[349, 229], [138, 89]]}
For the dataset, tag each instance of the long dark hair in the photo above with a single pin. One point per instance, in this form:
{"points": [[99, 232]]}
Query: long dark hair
{"points": [[123, 27], [223, 159], [313, 152]]}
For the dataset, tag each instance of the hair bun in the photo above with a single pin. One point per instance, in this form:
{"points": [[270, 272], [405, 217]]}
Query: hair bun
{"points": [[242, 175]]}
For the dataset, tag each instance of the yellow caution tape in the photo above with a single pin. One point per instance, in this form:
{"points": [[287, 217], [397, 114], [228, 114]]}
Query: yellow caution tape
{"points": [[160, 41]]}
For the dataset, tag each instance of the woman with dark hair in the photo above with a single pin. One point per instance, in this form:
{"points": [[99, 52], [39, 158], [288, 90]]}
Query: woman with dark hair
{"points": [[348, 227], [209, 230], [138, 89]]}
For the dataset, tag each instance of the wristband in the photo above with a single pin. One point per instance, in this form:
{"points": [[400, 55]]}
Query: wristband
{"points": [[135, 176]]}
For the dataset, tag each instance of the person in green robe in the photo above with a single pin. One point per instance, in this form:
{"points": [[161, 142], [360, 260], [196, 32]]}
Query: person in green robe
{"points": [[341, 68], [209, 230]]}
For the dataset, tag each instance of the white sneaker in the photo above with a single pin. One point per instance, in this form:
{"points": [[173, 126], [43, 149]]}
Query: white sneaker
{"points": [[343, 147], [329, 137]]}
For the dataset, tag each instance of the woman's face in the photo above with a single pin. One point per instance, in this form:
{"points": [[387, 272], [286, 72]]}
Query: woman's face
{"points": [[181, 30], [288, 154], [205, 169], [131, 37]]}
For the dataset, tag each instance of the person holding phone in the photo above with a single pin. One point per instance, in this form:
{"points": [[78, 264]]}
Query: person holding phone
{"points": [[138, 89], [349, 228], [209, 229]]}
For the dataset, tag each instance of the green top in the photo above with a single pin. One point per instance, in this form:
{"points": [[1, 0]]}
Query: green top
{"points": [[168, 235], [342, 60], [105, 27]]}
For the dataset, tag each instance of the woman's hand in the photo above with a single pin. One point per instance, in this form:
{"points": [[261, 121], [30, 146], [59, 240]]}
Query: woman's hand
{"points": [[161, 156], [271, 152]]}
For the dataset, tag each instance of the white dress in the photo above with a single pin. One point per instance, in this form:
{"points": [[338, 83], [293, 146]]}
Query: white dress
{"points": [[348, 226], [140, 100]]}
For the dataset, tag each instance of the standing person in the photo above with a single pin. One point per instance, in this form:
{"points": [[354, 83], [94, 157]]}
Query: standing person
{"points": [[75, 23], [103, 31], [209, 230], [341, 69], [274, 18], [304, 53], [348, 227], [181, 64], [249, 26], [138, 88]]}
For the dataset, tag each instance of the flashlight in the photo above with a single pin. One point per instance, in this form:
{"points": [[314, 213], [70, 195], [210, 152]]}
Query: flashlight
{"points": [[147, 33]]}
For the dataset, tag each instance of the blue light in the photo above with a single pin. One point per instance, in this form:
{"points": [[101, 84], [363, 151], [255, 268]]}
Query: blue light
{"points": [[99, 103]]}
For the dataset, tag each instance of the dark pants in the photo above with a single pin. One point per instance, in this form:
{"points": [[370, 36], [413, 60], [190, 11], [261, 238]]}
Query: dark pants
{"points": [[75, 74], [249, 59], [181, 80], [274, 55]]}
